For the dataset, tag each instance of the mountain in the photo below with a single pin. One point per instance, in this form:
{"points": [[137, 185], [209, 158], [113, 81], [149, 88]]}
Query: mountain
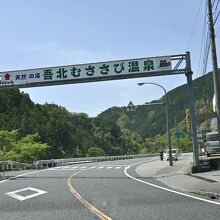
{"points": [[149, 121], [24, 123]]}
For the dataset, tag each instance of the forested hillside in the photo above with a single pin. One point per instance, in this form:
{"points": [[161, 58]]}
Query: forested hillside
{"points": [[149, 121], [57, 132]]}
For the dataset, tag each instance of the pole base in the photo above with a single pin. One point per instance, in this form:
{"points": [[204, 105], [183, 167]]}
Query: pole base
{"points": [[199, 169]]}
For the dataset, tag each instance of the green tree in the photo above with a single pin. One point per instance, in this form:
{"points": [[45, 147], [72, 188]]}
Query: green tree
{"points": [[28, 149], [8, 139], [95, 152]]}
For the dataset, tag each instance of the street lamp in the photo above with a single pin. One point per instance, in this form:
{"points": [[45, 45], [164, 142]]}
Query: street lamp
{"points": [[167, 118]]}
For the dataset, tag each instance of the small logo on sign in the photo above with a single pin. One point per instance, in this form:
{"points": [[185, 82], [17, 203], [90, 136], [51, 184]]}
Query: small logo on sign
{"points": [[164, 63], [7, 76]]}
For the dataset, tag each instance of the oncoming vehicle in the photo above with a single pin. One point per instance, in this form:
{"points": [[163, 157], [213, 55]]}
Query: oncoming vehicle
{"points": [[212, 143], [175, 154]]}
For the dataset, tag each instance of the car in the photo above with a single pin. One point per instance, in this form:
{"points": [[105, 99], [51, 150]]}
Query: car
{"points": [[175, 154]]}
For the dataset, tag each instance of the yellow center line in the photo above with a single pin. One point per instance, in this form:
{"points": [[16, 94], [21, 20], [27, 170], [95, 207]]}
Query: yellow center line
{"points": [[92, 208]]}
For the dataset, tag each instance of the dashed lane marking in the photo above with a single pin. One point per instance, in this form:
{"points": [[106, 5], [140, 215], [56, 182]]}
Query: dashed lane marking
{"points": [[83, 168]]}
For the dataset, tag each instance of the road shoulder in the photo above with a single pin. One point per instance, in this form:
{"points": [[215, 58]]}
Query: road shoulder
{"points": [[179, 177]]}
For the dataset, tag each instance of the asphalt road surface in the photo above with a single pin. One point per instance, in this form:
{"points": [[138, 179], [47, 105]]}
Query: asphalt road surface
{"points": [[106, 190]]}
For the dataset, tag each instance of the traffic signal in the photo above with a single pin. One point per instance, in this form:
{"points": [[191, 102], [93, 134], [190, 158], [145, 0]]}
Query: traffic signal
{"points": [[188, 121]]}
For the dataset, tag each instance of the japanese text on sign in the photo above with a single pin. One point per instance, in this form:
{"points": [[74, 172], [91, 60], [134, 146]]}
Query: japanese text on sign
{"points": [[86, 71]]}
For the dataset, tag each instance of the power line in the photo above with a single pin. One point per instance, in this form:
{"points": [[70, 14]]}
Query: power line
{"points": [[206, 54], [213, 3], [194, 26], [216, 7], [199, 69], [216, 18], [215, 11], [206, 48], [190, 38]]}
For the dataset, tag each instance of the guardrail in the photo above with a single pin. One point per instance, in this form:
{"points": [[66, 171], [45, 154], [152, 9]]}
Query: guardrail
{"points": [[12, 165], [41, 164]]}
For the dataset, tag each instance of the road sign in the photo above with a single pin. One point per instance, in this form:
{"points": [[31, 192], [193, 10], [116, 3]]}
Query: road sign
{"points": [[131, 68], [178, 134]]}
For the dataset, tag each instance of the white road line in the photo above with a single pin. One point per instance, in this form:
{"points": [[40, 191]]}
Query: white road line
{"points": [[23, 174], [83, 167], [117, 167], [108, 167], [100, 167], [166, 189], [92, 167]]}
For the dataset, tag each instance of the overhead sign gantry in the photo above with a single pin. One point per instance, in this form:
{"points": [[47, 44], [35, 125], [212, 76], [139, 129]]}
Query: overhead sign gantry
{"points": [[112, 70]]}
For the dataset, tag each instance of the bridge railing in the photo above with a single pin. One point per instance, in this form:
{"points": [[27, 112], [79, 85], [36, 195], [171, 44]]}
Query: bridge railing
{"points": [[41, 164], [13, 165]]}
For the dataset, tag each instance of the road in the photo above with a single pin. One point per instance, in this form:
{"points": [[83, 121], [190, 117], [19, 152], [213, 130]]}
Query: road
{"points": [[106, 190]]}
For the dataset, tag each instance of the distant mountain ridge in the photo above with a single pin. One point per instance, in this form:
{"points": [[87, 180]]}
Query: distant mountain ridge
{"points": [[148, 121]]}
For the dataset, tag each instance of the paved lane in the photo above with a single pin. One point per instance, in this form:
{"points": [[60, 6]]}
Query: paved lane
{"points": [[120, 197], [103, 185], [57, 203]]}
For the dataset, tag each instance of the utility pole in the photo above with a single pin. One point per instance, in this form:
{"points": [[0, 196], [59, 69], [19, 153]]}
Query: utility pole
{"points": [[196, 165], [216, 76]]}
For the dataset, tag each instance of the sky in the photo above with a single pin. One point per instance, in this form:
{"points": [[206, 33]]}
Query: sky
{"points": [[47, 33]]}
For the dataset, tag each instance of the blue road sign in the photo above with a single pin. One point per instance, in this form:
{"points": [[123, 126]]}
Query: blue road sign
{"points": [[178, 134]]}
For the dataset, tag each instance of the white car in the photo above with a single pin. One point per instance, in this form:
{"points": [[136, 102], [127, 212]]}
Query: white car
{"points": [[175, 154]]}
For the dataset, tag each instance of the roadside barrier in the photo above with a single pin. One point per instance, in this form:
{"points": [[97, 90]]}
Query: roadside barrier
{"points": [[42, 164], [13, 165]]}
